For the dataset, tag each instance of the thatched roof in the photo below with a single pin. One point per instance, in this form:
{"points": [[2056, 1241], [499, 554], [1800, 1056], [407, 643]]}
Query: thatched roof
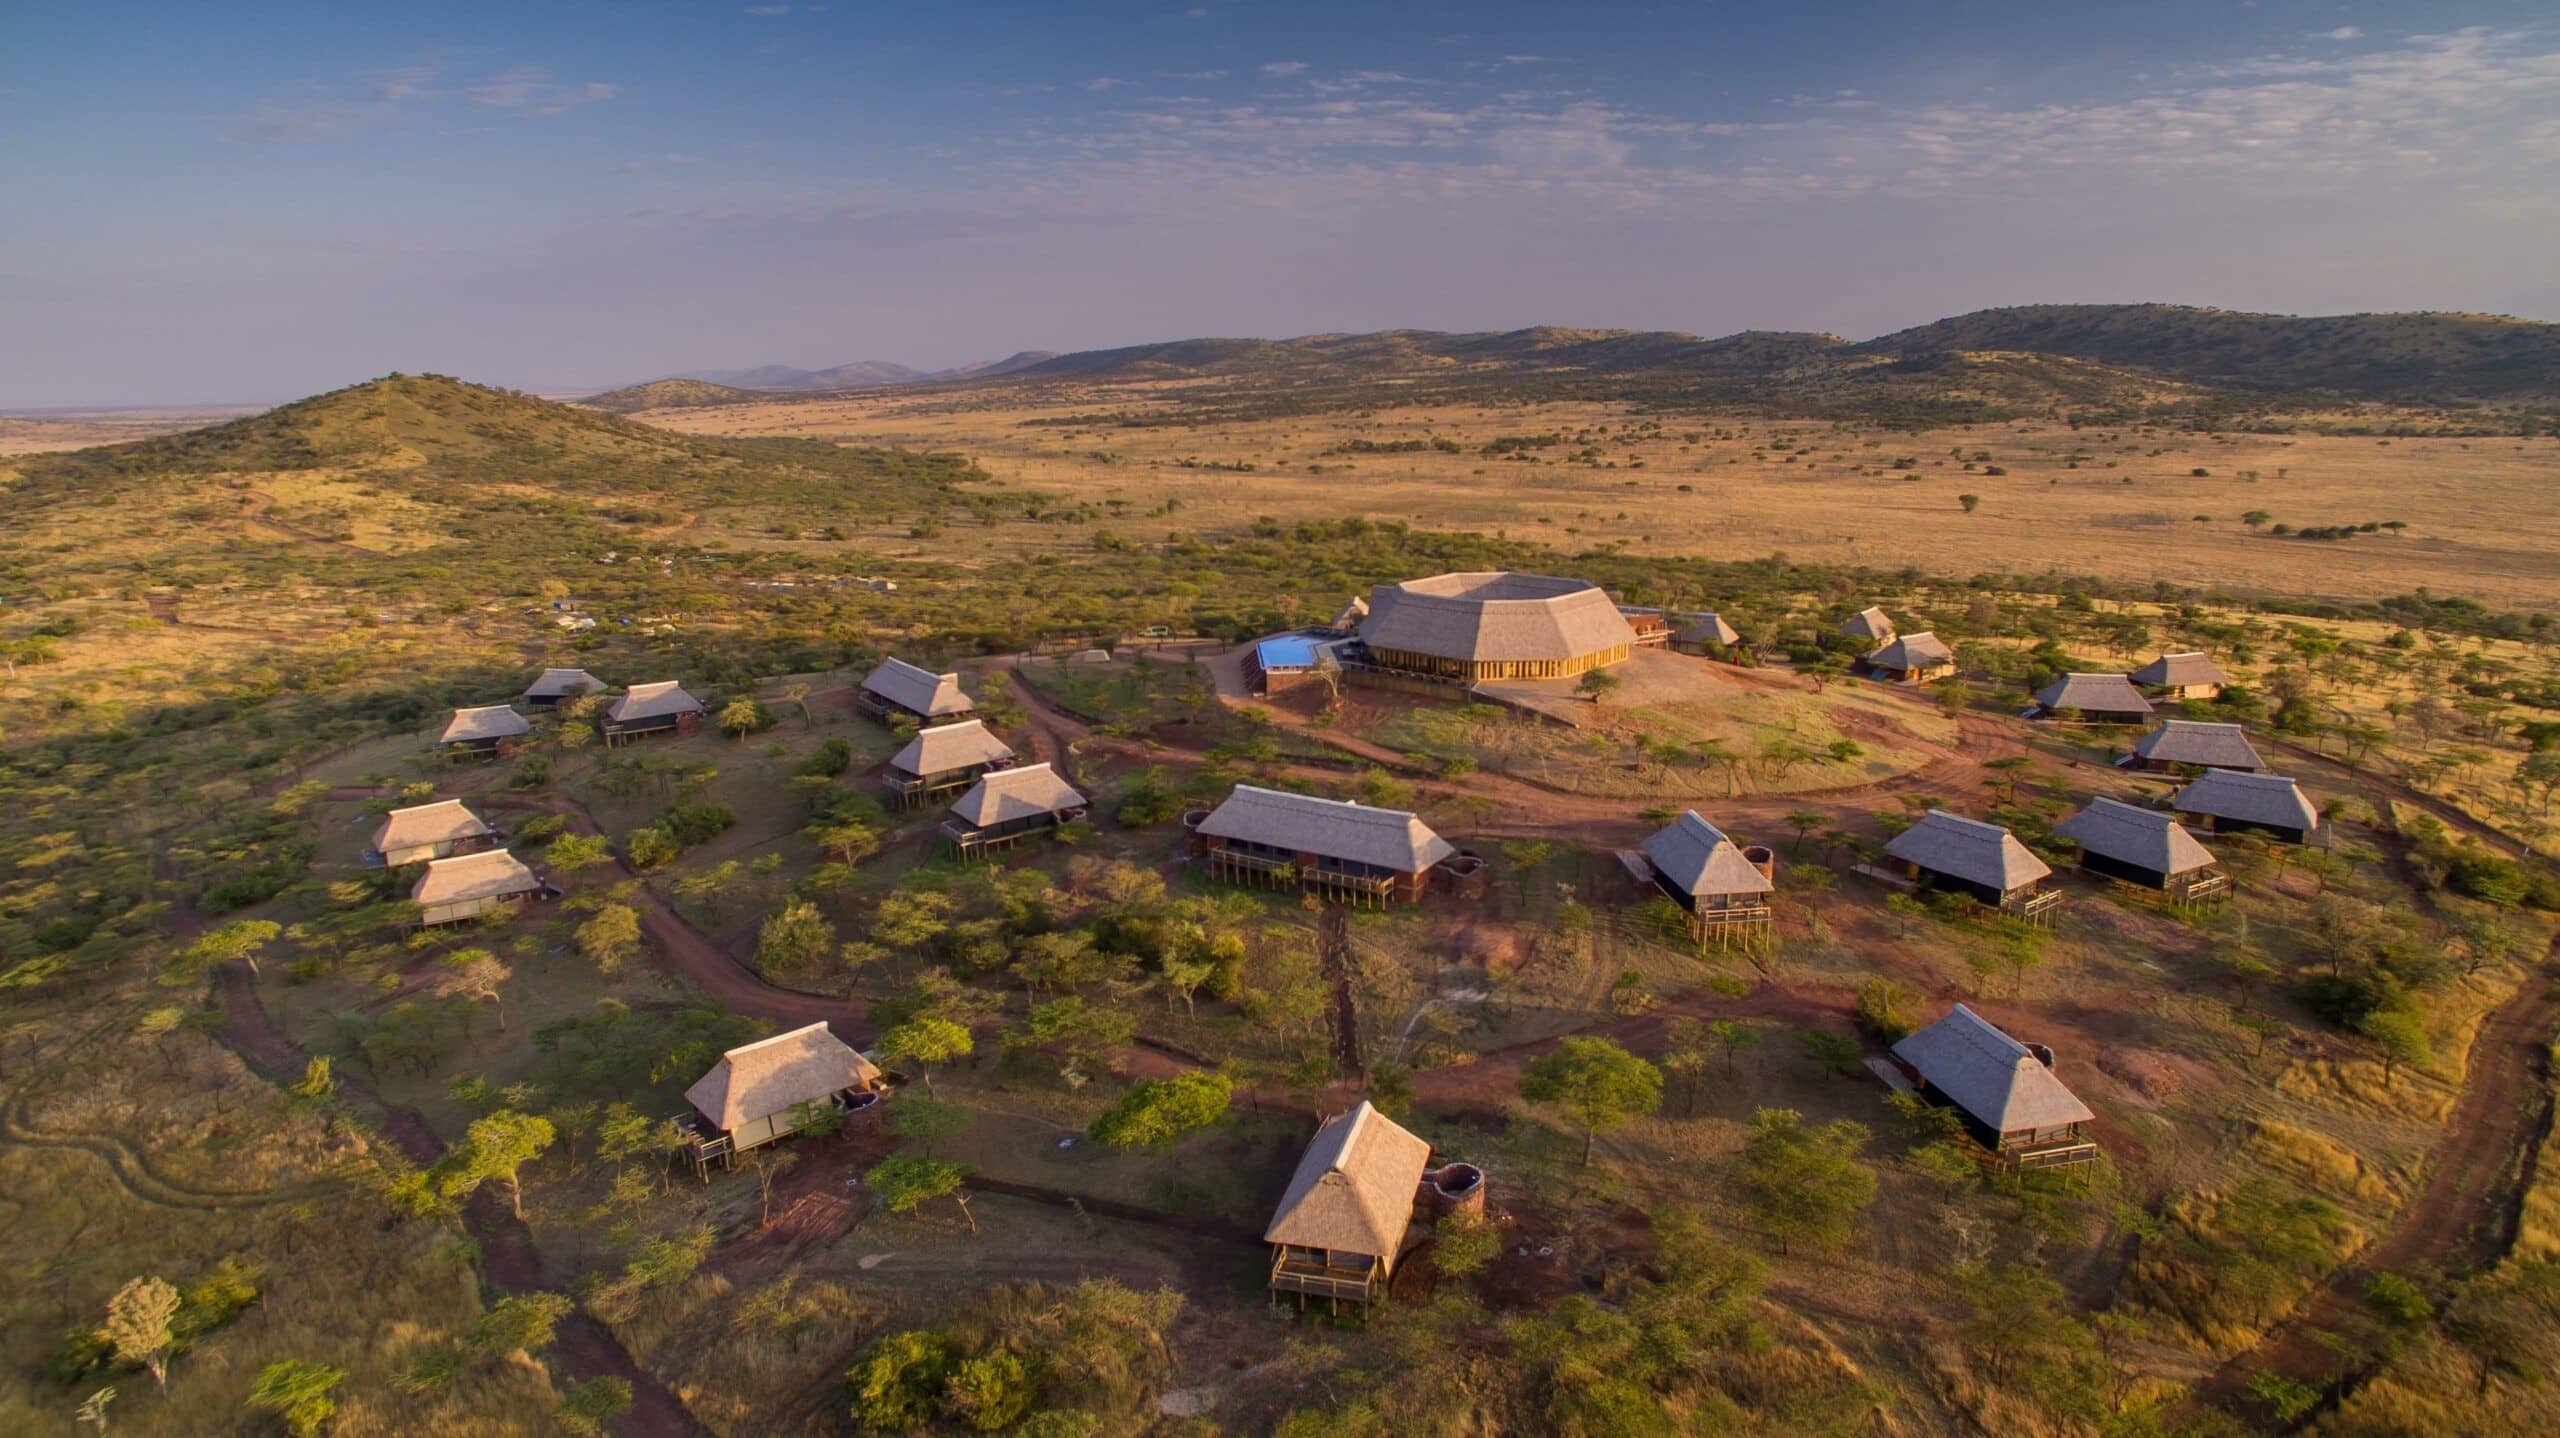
{"points": [[562, 683], [1351, 615], [489, 874], [2179, 670], [1911, 652], [769, 1076], [444, 822], [946, 747], [2093, 694], [1494, 617], [918, 691], [1706, 629], [1968, 849], [1010, 794], [1354, 1189], [490, 721], [1869, 623], [2210, 746], [1333, 828], [1698, 859], [1990, 1075], [2249, 798], [2145, 838], [652, 701]]}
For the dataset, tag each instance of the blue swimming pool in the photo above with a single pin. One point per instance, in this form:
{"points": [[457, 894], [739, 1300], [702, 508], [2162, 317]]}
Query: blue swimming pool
{"points": [[1289, 651]]}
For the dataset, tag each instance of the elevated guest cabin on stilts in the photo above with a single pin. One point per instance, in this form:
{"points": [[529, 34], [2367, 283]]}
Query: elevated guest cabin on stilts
{"points": [[492, 731], [2182, 676], [1335, 848], [428, 831], [2182, 745], [771, 1089], [946, 756], [650, 709], [2012, 1104], [2233, 802], [469, 885], [1968, 856], [1005, 805], [896, 690], [2146, 848], [1361, 1199], [1723, 887]]}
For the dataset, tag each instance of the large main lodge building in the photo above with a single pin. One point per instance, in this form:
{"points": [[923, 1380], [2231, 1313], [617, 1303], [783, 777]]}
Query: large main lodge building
{"points": [[1482, 626]]}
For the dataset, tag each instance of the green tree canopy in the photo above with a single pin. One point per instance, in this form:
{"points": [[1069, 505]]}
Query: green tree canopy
{"points": [[1599, 1083]]}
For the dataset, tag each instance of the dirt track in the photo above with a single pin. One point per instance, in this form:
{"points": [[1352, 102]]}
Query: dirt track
{"points": [[584, 1348], [2460, 1222]]}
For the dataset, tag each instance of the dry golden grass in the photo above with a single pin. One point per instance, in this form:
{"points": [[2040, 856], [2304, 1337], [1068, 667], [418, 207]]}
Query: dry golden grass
{"points": [[2484, 514]]}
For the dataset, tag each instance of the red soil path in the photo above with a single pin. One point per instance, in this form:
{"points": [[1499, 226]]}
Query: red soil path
{"points": [[583, 1348], [2462, 1221]]}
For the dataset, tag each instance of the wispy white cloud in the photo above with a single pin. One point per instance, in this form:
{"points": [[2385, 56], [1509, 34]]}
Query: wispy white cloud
{"points": [[530, 90], [768, 10], [1100, 83], [1283, 69], [2343, 32], [375, 98], [1191, 74]]}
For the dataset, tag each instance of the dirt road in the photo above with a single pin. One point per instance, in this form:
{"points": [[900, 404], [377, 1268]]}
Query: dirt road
{"points": [[2463, 1220], [584, 1349]]}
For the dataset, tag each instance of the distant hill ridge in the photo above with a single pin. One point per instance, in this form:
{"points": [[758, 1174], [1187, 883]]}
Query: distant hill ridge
{"points": [[736, 386], [2423, 357]]}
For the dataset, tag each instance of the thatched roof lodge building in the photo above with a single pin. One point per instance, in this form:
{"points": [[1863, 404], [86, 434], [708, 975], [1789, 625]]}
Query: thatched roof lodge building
{"points": [[428, 831], [947, 756], [1968, 856], [896, 689], [2144, 847], [491, 729], [1722, 886], [1347, 1216], [771, 1089], [646, 709], [557, 686], [2011, 1102], [1006, 804], [469, 885], [2231, 802], [1704, 634], [1870, 625], [2182, 676], [2096, 698], [1333, 847], [1921, 658], [2181, 744], [1494, 625]]}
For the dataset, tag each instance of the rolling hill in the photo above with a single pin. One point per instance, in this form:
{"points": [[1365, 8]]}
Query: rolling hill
{"points": [[2406, 357], [2134, 352], [669, 394]]}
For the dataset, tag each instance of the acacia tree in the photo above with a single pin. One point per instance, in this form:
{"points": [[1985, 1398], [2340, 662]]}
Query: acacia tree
{"points": [[1596, 1081], [740, 716], [299, 1392], [905, 1182], [497, 1145], [1804, 1184], [137, 1326], [1155, 1112], [926, 1040]]}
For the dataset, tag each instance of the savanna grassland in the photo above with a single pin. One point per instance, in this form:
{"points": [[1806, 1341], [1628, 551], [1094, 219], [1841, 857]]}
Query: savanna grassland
{"points": [[417, 1180], [2131, 502]]}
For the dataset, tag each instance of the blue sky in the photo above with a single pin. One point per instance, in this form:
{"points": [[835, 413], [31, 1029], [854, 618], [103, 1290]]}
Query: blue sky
{"points": [[253, 201]]}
